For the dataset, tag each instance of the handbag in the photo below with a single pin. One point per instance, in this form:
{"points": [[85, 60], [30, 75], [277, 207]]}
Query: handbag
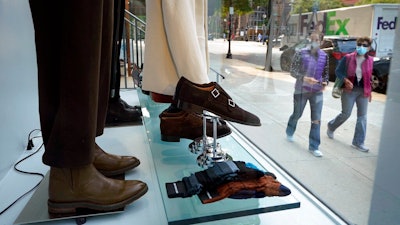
{"points": [[337, 88]]}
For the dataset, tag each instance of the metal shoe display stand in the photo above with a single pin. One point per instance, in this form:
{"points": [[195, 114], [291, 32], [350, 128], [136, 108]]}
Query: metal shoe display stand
{"points": [[208, 147], [173, 161], [35, 211]]}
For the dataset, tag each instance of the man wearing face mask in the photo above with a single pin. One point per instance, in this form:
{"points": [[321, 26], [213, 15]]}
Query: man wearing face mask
{"points": [[356, 70], [310, 67]]}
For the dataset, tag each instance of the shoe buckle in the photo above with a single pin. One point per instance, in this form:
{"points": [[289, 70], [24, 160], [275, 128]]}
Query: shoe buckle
{"points": [[215, 93], [231, 103]]}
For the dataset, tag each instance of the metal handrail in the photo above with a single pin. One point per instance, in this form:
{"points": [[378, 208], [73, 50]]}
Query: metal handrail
{"points": [[132, 44], [136, 34], [217, 75]]}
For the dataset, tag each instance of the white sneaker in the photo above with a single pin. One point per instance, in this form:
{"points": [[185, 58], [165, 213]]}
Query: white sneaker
{"points": [[290, 138], [361, 148], [316, 153], [329, 133]]}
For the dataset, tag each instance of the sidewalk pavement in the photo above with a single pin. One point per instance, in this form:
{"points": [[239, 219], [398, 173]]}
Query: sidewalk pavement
{"points": [[343, 177]]}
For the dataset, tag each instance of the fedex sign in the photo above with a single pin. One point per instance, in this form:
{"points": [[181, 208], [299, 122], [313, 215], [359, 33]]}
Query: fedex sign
{"points": [[339, 23], [335, 26], [328, 25], [345, 22], [386, 25]]}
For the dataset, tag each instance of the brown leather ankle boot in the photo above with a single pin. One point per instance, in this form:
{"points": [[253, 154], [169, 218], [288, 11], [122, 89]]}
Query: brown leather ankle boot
{"points": [[111, 165], [85, 187]]}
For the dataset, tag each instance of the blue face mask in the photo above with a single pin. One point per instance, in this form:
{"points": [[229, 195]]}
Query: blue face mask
{"points": [[314, 44], [361, 50]]}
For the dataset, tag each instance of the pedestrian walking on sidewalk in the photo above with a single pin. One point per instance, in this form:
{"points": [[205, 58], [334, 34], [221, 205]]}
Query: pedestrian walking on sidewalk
{"points": [[310, 67], [356, 70]]}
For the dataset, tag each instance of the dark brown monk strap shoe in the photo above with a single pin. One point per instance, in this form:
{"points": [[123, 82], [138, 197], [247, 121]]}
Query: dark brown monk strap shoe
{"points": [[211, 97], [85, 187], [111, 165], [177, 125]]}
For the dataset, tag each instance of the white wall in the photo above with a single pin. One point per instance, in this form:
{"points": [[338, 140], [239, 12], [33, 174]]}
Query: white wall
{"points": [[19, 112]]}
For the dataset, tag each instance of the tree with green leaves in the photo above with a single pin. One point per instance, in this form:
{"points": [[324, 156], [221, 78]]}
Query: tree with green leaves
{"points": [[301, 6], [365, 2], [307, 5], [241, 7]]}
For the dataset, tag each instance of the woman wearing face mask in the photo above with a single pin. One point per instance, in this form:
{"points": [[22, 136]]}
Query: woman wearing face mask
{"points": [[356, 70], [310, 67]]}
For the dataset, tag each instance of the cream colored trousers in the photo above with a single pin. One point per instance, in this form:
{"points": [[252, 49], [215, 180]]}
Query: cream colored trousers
{"points": [[175, 44]]}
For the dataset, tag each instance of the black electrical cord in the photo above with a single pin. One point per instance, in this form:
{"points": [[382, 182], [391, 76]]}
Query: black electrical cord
{"points": [[30, 140], [26, 172]]}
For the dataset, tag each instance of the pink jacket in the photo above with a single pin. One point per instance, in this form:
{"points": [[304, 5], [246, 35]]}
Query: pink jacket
{"points": [[366, 68]]}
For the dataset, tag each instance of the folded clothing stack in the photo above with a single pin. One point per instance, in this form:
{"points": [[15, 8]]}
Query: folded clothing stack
{"points": [[230, 179]]}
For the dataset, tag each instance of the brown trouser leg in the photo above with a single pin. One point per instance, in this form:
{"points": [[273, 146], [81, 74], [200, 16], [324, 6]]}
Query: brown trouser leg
{"points": [[119, 15], [73, 45]]}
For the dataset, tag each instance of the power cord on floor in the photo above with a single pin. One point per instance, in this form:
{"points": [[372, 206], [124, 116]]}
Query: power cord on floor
{"points": [[29, 147]]}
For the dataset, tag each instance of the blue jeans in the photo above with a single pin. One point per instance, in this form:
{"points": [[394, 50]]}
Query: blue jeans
{"points": [[348, 99], [299, 103]]}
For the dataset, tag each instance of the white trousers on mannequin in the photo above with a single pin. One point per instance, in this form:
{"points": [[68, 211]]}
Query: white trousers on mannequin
{"points": [[175, 44]]}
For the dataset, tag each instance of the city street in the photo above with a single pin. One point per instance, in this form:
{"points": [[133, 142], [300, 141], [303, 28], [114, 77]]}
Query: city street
{"points": [[343, 177]]}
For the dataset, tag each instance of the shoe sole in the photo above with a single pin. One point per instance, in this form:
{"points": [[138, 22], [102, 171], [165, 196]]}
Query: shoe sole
{"points": [[330, 136], [168, 138], [360, 149], [71, 207], [190, 107], [290, 139], [316, 155]]}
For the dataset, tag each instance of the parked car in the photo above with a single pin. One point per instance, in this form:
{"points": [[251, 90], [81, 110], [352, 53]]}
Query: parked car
{"points": [[288, 53], [336, 47], [380, 74]]}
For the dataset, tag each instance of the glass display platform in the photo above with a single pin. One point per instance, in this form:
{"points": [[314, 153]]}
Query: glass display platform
{"points": [[174, 160]]}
